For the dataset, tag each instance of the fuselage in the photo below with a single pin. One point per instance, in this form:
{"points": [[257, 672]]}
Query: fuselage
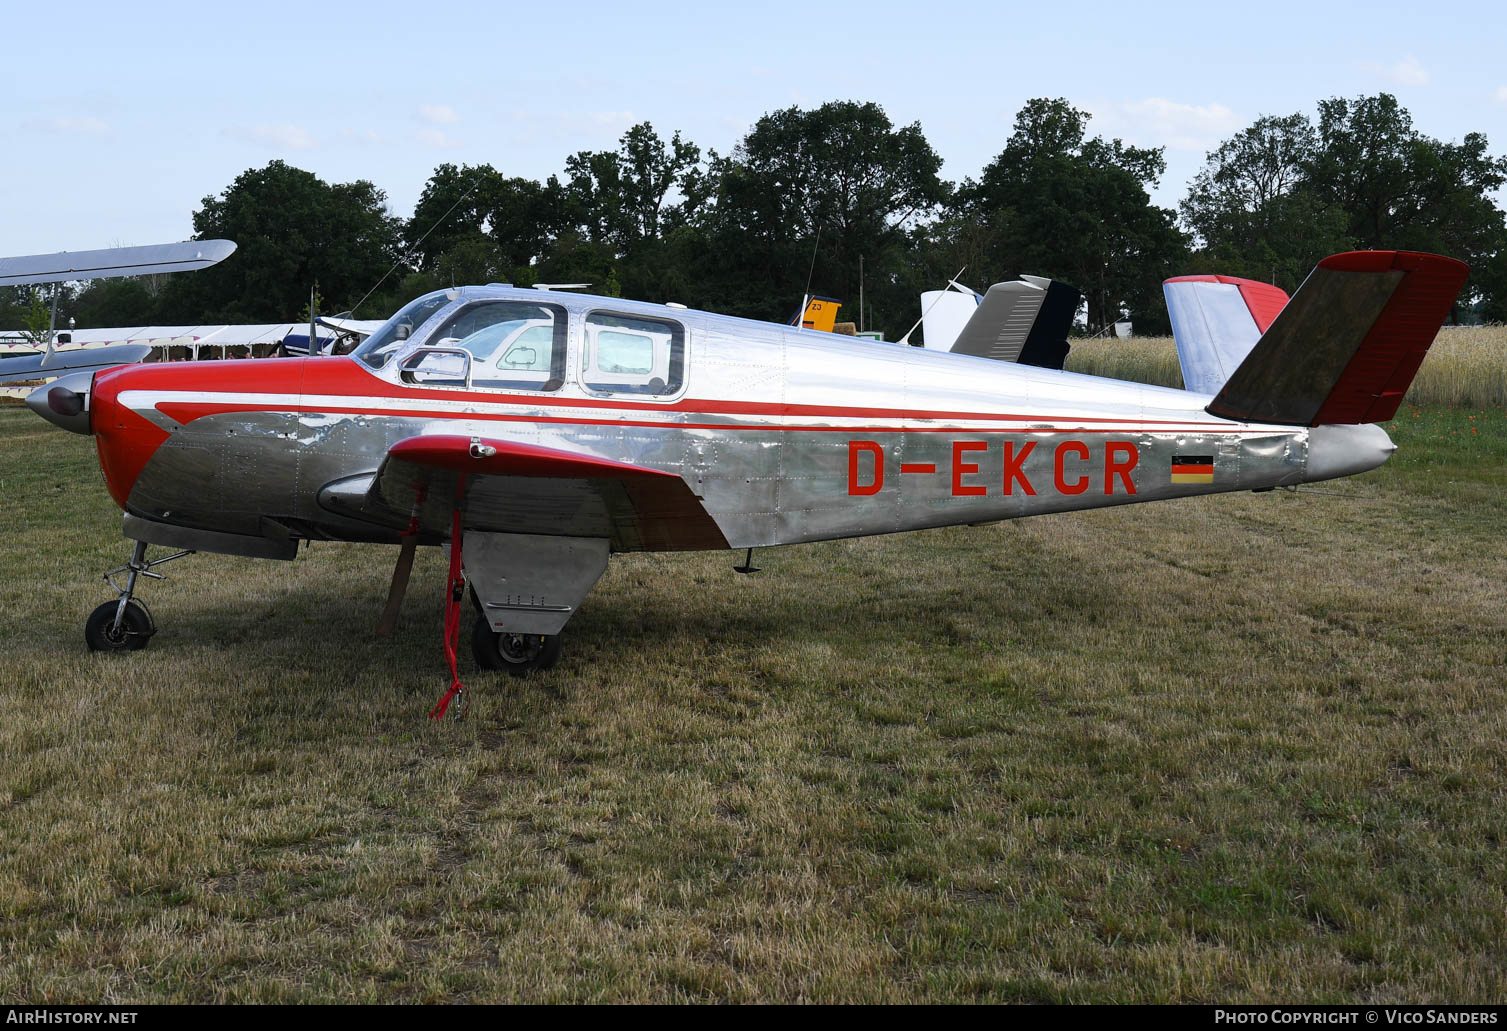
{"points": [[786, 435]]}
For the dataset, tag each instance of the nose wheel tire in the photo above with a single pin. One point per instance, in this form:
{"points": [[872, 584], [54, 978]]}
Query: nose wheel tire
{"points": [[135, 630], [518, 654]]}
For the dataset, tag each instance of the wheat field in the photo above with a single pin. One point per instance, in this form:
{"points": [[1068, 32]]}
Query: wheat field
{"points": [[1465, 367]]}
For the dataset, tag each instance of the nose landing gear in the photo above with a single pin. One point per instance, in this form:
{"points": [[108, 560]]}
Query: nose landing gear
{"points": [[125, 625]]}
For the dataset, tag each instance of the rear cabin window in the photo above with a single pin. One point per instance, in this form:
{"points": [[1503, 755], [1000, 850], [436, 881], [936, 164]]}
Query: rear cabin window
{"points": [[512, 344], [625, 354]]}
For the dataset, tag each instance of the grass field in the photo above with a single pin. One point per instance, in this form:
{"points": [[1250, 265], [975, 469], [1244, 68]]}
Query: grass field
{"points": [[1247, 747], [1466, 366]]}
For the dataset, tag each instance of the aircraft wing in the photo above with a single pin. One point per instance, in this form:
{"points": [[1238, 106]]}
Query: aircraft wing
{"points": [[513, 487], [185, 336], [44, 366], [69, 266]]}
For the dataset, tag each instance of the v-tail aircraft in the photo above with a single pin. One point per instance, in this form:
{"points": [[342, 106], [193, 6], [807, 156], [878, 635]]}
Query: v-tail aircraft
{"points": [[537, 434]]}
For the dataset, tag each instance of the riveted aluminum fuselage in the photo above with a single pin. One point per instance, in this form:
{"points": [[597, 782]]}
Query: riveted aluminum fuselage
{"points": [[786, 435]]}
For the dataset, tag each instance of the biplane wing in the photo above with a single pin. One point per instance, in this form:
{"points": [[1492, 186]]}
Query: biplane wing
{"points": [[107, 263]]}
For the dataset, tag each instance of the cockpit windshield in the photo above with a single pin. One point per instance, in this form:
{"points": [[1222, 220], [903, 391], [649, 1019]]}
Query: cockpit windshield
{"points": [[378, 348]]}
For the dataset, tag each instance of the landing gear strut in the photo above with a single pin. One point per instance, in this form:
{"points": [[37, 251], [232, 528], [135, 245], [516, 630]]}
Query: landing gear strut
{"points": [[529, 585], [519, 654], [125, 625]]}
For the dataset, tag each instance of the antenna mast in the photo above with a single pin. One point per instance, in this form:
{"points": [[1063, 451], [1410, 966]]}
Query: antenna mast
{"points": [[800, 316], [860, 293]]}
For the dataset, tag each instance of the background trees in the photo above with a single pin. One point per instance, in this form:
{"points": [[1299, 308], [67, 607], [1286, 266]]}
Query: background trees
{"points": [[619, 208], [659, 219], [621, 198], [1058, 203], [837, 183], [475, 225], [1253, 209], [292, 230], [1280, 195], [1399, 188]]}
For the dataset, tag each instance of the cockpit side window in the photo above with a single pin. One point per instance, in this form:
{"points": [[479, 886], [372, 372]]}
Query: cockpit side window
{"points": [[379, 348], [513, 345], [627, 354]]}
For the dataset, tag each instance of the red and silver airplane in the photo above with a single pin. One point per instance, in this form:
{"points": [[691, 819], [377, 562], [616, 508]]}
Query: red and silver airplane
{"points": [[538, 434]]}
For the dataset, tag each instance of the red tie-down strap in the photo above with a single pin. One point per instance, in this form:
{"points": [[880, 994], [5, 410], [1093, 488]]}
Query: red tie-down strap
{"points": [[453, 596], [420, 494]]}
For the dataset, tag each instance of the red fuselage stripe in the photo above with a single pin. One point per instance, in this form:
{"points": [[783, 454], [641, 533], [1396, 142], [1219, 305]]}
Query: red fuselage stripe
{"points": [[339, 380], [344, 377], [200, 409]]}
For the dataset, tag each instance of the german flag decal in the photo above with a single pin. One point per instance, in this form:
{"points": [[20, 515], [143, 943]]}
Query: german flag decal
{"points": [[1192, 468]]}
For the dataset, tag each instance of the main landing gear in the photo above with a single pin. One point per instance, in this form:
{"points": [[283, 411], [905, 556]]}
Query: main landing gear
{"points": [[125, 625], [519, 654], [525, 588]]}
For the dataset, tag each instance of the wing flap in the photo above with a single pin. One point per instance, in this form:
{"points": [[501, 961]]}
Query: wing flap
{"points": [[512, 487]]}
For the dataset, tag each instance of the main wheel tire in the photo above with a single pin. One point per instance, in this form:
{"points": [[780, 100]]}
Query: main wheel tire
{"points": [[135, 630], [519, 654]]}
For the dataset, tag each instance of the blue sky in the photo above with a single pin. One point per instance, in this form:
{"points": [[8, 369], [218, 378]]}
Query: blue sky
{"points": [[117, 119]]}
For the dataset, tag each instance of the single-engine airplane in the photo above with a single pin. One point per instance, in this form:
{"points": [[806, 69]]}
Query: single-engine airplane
{"points": [[536, 435]]}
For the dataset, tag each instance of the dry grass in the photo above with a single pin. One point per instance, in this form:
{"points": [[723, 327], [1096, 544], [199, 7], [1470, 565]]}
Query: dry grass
{"points": [[1465, 366], [1242, 747]]}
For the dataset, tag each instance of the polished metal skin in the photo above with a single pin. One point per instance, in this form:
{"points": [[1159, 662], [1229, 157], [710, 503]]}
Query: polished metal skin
{"points": [[766, 429], [782, 436]]}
